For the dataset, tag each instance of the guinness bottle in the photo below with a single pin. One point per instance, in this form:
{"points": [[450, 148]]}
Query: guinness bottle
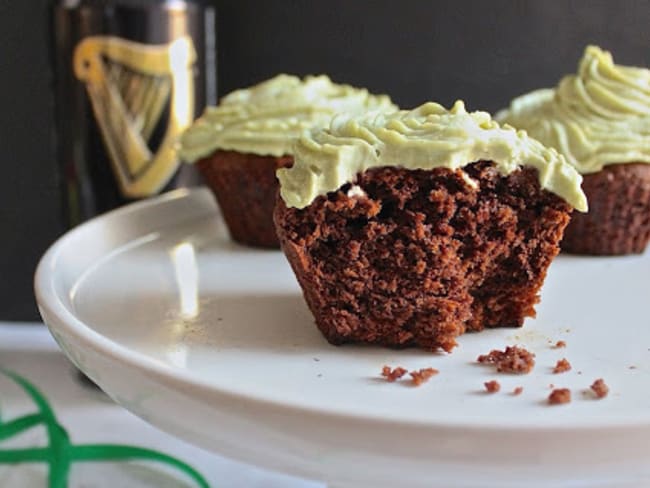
{"points": [[130, 77]]}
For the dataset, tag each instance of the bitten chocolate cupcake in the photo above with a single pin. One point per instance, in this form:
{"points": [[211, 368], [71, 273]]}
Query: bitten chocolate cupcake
{"points": [[599, 119], [412, 227], [238, 145]]}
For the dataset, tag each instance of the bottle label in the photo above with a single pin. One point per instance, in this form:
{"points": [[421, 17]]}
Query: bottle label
{"points": [[130, 86]]}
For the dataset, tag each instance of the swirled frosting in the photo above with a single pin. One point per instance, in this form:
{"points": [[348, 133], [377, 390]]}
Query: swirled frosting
{"points": [[265, 119], [424, 138], [597, 117]]}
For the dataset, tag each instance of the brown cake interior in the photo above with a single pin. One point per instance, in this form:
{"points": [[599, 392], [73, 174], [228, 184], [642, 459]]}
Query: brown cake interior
{"points": [[618, 221], [423, 256], [245, 187]]}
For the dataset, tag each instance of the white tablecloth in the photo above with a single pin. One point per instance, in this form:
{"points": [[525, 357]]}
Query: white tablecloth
{"points": [[90, 417]]}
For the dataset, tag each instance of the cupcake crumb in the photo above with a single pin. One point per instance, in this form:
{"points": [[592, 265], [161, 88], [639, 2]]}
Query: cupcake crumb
{"points": [[422, 376], [492, 386], [600, 388], [562, 366], [518, 390], [513, 359], [393, 374], [559, 396], [559, 345]]}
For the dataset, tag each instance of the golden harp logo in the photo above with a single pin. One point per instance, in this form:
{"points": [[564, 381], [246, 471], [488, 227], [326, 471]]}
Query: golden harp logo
{"points": [[130, 86]]}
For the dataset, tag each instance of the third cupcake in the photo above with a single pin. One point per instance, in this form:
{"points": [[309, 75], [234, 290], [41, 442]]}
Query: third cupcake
{"points": [[599, 119]]}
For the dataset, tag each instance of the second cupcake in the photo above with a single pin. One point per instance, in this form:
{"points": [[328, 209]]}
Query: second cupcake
{"points": [[239, 144]]}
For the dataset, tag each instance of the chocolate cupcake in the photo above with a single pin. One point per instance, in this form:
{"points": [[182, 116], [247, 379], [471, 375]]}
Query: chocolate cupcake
{"points": [[412, 227], [238, 145], [599, 119]]}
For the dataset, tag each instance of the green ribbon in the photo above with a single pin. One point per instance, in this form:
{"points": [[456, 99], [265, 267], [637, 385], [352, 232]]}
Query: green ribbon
{"points": [[60, 454]]}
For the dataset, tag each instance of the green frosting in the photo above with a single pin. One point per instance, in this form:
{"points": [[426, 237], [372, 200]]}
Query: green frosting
{"points": [[424, 138], [597, 117], [266, 118]]}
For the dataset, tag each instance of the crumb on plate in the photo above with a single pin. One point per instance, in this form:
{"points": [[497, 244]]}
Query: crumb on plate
{"points": [[513, 359], [392, 374], [600, 388], [559, 396], [422, 376], [562, 366]]}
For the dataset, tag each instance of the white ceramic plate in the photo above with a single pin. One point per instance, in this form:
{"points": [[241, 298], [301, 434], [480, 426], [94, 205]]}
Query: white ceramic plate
{"points": [[212, 342]]}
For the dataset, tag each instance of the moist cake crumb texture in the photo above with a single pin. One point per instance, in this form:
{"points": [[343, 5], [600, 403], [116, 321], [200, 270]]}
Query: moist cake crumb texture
{"points": [[514, 359], [421, 256]]}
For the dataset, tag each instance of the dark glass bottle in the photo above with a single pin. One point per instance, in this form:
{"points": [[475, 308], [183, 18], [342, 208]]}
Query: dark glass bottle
{"points": [[130, 76]]}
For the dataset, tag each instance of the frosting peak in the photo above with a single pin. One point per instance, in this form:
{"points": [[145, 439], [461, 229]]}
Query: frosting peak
{"points": [[424, 138], [599, 116], [265, 119]]}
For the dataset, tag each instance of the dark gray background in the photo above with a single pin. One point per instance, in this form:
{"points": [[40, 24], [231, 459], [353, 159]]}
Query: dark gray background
{"points": [[417, 50]]}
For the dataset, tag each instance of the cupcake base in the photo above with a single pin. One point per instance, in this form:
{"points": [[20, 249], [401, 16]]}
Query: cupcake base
{"points": [[415, 257], [245, 187], [618, 221]]}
